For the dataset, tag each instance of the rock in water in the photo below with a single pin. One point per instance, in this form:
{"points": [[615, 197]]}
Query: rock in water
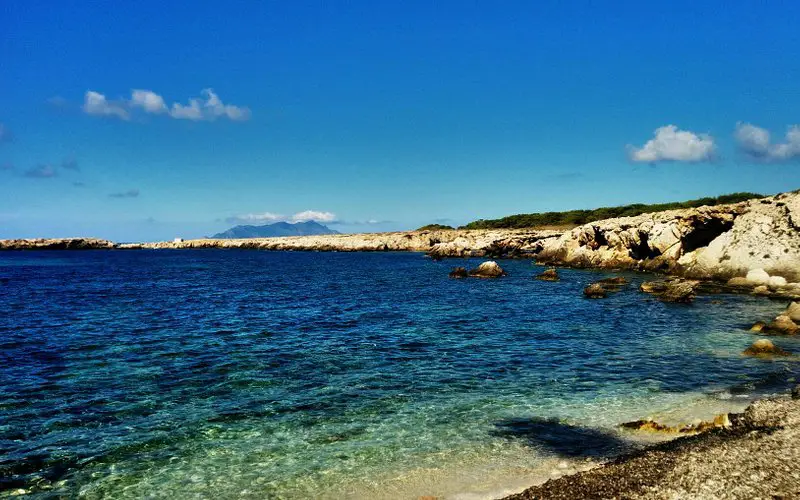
{"points": [[793, 311], [549, 275], [488, 269], [796, 392], [458, 272], [595, 291], [758, 326], [616, 280], [653, 286], [783, 325], [763, 347], [671, 291], [678, 292]]}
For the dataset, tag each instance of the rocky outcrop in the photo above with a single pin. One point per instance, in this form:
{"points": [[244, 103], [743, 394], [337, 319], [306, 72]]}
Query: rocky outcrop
{"points": [[720, 242], [57, 244], [488, 269], [764, 347]]}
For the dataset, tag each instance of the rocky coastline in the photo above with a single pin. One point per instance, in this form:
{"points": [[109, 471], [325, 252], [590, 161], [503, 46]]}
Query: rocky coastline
{"points": [[751, 246]]}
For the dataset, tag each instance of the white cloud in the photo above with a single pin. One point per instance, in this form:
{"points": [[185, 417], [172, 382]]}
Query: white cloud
{"points": [[257, 218], [313, 215], [269, 217], [148, 100], [672, 144], [96, 104], [755, 142], [209, 107]]}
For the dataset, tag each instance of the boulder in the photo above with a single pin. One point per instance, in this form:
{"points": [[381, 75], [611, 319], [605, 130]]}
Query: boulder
{"points": [[488, 269], [757, 277], [549, 275], [761, 290], [671, 291], [458, 272], [764, 347], [595, 291], [758, 326], [783, 325], [793, 311], [681, 292], [777, 282]]}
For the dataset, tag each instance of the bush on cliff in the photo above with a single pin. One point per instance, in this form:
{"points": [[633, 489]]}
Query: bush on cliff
{"points": [[579, 217]]}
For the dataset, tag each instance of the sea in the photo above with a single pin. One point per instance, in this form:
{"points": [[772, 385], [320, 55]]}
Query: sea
{"points": [[252, 374]]}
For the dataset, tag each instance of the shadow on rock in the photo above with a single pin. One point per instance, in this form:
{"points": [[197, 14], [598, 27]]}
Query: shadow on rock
{"points": [[562, 439]]}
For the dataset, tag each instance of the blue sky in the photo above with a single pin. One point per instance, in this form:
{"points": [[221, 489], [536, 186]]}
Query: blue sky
{"points": [[384, 115]]}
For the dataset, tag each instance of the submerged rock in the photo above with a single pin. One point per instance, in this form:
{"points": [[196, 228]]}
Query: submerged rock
{"points": [[488, 269], [458, 272], [595, 291], [549, 275], [764, 347], [796, 392]]}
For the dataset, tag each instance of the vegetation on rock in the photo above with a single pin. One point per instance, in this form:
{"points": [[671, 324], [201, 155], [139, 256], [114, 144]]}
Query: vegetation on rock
{"points": [[579, 217]]}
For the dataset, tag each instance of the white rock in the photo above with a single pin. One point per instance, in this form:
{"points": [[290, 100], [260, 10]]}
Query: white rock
{"points": [[777, 282], [758, 277]]}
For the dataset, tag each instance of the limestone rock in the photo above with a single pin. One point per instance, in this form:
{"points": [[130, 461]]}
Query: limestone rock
{"points": [[682, 292], [764, 347], [488, 269], [793, 311], [595, 291], [757, 277], [549, 275], [783, 325], [758, 326]]}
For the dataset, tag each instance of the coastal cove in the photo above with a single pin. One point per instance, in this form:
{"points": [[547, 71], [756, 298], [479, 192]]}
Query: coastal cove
{"points": [[367, 375]]}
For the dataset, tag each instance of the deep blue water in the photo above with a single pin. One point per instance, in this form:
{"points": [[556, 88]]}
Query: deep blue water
{"points": [[225, 373]]}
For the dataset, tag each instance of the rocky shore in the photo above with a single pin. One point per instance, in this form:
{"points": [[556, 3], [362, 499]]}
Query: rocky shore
{"points": [[755, 456], [752, 244]]}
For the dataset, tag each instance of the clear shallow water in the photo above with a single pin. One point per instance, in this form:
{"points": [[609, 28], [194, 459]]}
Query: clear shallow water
{"points": [[294, 375]]}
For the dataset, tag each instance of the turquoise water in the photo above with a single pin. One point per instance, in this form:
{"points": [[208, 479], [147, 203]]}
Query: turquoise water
{"points": [[225, 373]]}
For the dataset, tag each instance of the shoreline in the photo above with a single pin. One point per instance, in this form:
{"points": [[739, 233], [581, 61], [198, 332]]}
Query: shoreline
{"points": [[757, 456], [721, 243]]}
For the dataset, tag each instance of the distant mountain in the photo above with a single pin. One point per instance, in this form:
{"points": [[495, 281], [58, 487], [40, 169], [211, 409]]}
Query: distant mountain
{"points": [[277, 229]]}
